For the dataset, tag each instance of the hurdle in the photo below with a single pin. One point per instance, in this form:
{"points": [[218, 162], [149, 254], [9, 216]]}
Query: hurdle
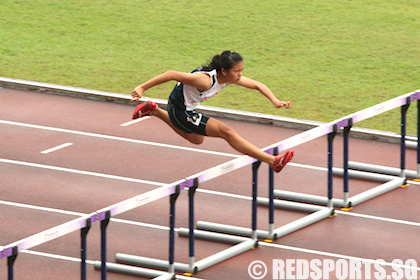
{"points": [[83, 224], [317, 213], [352, 170], [377, 169], [247, 238], [104, 215], [391, 182], [240, 244]]}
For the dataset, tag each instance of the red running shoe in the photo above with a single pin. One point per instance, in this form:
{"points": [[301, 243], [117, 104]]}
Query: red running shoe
{"points": [[144, 109], [281, 161]]}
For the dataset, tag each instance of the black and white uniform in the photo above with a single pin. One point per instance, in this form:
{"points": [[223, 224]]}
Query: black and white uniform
{"points": [[183, 101]]}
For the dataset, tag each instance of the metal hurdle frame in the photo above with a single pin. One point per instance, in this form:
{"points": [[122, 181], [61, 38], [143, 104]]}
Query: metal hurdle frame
{"points": [[391, 178], [391, 171], [240, 244], [83, 224], [317, 213], [347, 202], [104, 215], [246, 238]]}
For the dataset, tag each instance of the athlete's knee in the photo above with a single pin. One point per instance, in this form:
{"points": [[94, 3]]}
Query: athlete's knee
{"points": [[225, 131]]}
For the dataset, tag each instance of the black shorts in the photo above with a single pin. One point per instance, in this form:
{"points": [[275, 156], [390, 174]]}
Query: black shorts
{"points": [[188, 121]]}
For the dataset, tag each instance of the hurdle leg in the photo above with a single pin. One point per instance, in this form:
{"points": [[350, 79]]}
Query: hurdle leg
{"points": [[191, 193], [271, 202], [330, 166], [172, 200], [404, 110], [255, 167], [346, 164], [83, 234], [104, 225], [10, 262], [418, 134]]}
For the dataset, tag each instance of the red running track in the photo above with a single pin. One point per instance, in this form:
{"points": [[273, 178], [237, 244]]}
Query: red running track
{"points": [[34, 199]]}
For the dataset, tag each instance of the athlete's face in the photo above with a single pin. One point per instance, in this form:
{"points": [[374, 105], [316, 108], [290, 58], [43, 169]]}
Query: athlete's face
{"points": [[235, 73]]}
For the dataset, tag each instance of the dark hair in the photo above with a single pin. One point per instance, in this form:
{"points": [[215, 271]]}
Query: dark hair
{"points": [[226, 61]]}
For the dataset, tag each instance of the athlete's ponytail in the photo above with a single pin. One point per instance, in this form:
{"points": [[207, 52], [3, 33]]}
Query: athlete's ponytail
{"points": [[226, 61]]}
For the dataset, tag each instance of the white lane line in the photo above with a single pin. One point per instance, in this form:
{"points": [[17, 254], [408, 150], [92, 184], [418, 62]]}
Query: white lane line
{"points": [[54, 256], [59, 211], [135, 121], [59, 257], [56, 148], [140, 224], [307, 166], [378, 218], [224, 194], [40, 208], [79, 172], [118, 138], [413, 182]]}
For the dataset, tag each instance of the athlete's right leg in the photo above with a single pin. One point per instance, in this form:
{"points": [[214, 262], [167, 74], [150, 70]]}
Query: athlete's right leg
{"points": [[217, 128], [149, 108]]}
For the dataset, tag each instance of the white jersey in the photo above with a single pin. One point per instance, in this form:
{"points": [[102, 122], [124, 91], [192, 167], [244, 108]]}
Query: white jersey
{"points": [[188, 97]]}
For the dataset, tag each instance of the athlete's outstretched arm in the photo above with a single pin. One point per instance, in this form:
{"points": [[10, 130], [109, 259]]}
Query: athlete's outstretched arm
{"points": [[198, 80], [252, 84]]}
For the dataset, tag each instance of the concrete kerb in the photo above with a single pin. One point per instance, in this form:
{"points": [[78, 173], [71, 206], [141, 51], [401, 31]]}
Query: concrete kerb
{"points": [[208, 110]]}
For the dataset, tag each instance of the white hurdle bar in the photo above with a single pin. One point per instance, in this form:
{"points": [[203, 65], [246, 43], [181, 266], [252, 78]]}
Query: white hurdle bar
{"points": [[411, 174], [279, 232], [306, 198], [377, 191]]}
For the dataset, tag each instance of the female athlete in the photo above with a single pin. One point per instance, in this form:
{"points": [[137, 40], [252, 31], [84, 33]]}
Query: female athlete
{"points": [[197, 86]]}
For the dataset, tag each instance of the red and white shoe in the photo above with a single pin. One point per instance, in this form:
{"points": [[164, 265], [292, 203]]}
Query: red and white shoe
{"points": [[281, 161], [144, 109]]}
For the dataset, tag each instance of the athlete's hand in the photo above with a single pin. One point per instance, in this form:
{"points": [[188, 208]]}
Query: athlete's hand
{"points": [[137, 93], [279, 104]]}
